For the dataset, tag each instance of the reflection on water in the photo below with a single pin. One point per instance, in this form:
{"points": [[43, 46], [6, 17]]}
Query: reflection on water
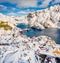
{"points": [[22, 26], [51, 32], [32, 32]]}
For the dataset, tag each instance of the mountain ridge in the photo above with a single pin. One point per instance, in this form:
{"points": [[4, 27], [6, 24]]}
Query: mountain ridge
{"points": [[41, 19]]}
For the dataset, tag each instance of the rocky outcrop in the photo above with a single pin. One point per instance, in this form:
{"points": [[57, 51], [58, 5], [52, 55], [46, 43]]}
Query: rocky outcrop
{"points": [[21, 19]]}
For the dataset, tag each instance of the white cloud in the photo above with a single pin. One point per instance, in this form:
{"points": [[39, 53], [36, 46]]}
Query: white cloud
{"points": [[26, 4], [45, 3], [13, 9], [10, 9], [12, 14], [22, 3], [30, 3], [5, 8], [2, 7], [56, 1], [20, 13], [23, 12], [10, 1]]}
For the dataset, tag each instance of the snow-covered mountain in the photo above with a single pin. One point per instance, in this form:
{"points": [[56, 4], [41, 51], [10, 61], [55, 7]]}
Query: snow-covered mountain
{"points": [[46, 18], [41, 19]]}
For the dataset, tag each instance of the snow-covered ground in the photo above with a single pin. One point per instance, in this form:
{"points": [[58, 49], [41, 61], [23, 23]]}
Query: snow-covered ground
{"points": [[23, 49]]}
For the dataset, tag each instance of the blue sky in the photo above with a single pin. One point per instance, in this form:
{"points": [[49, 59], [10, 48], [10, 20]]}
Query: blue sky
{"points": [[23, 7]]}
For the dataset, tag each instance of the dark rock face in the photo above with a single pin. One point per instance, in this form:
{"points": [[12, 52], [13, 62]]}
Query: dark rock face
{"points": [[57, 60]]}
